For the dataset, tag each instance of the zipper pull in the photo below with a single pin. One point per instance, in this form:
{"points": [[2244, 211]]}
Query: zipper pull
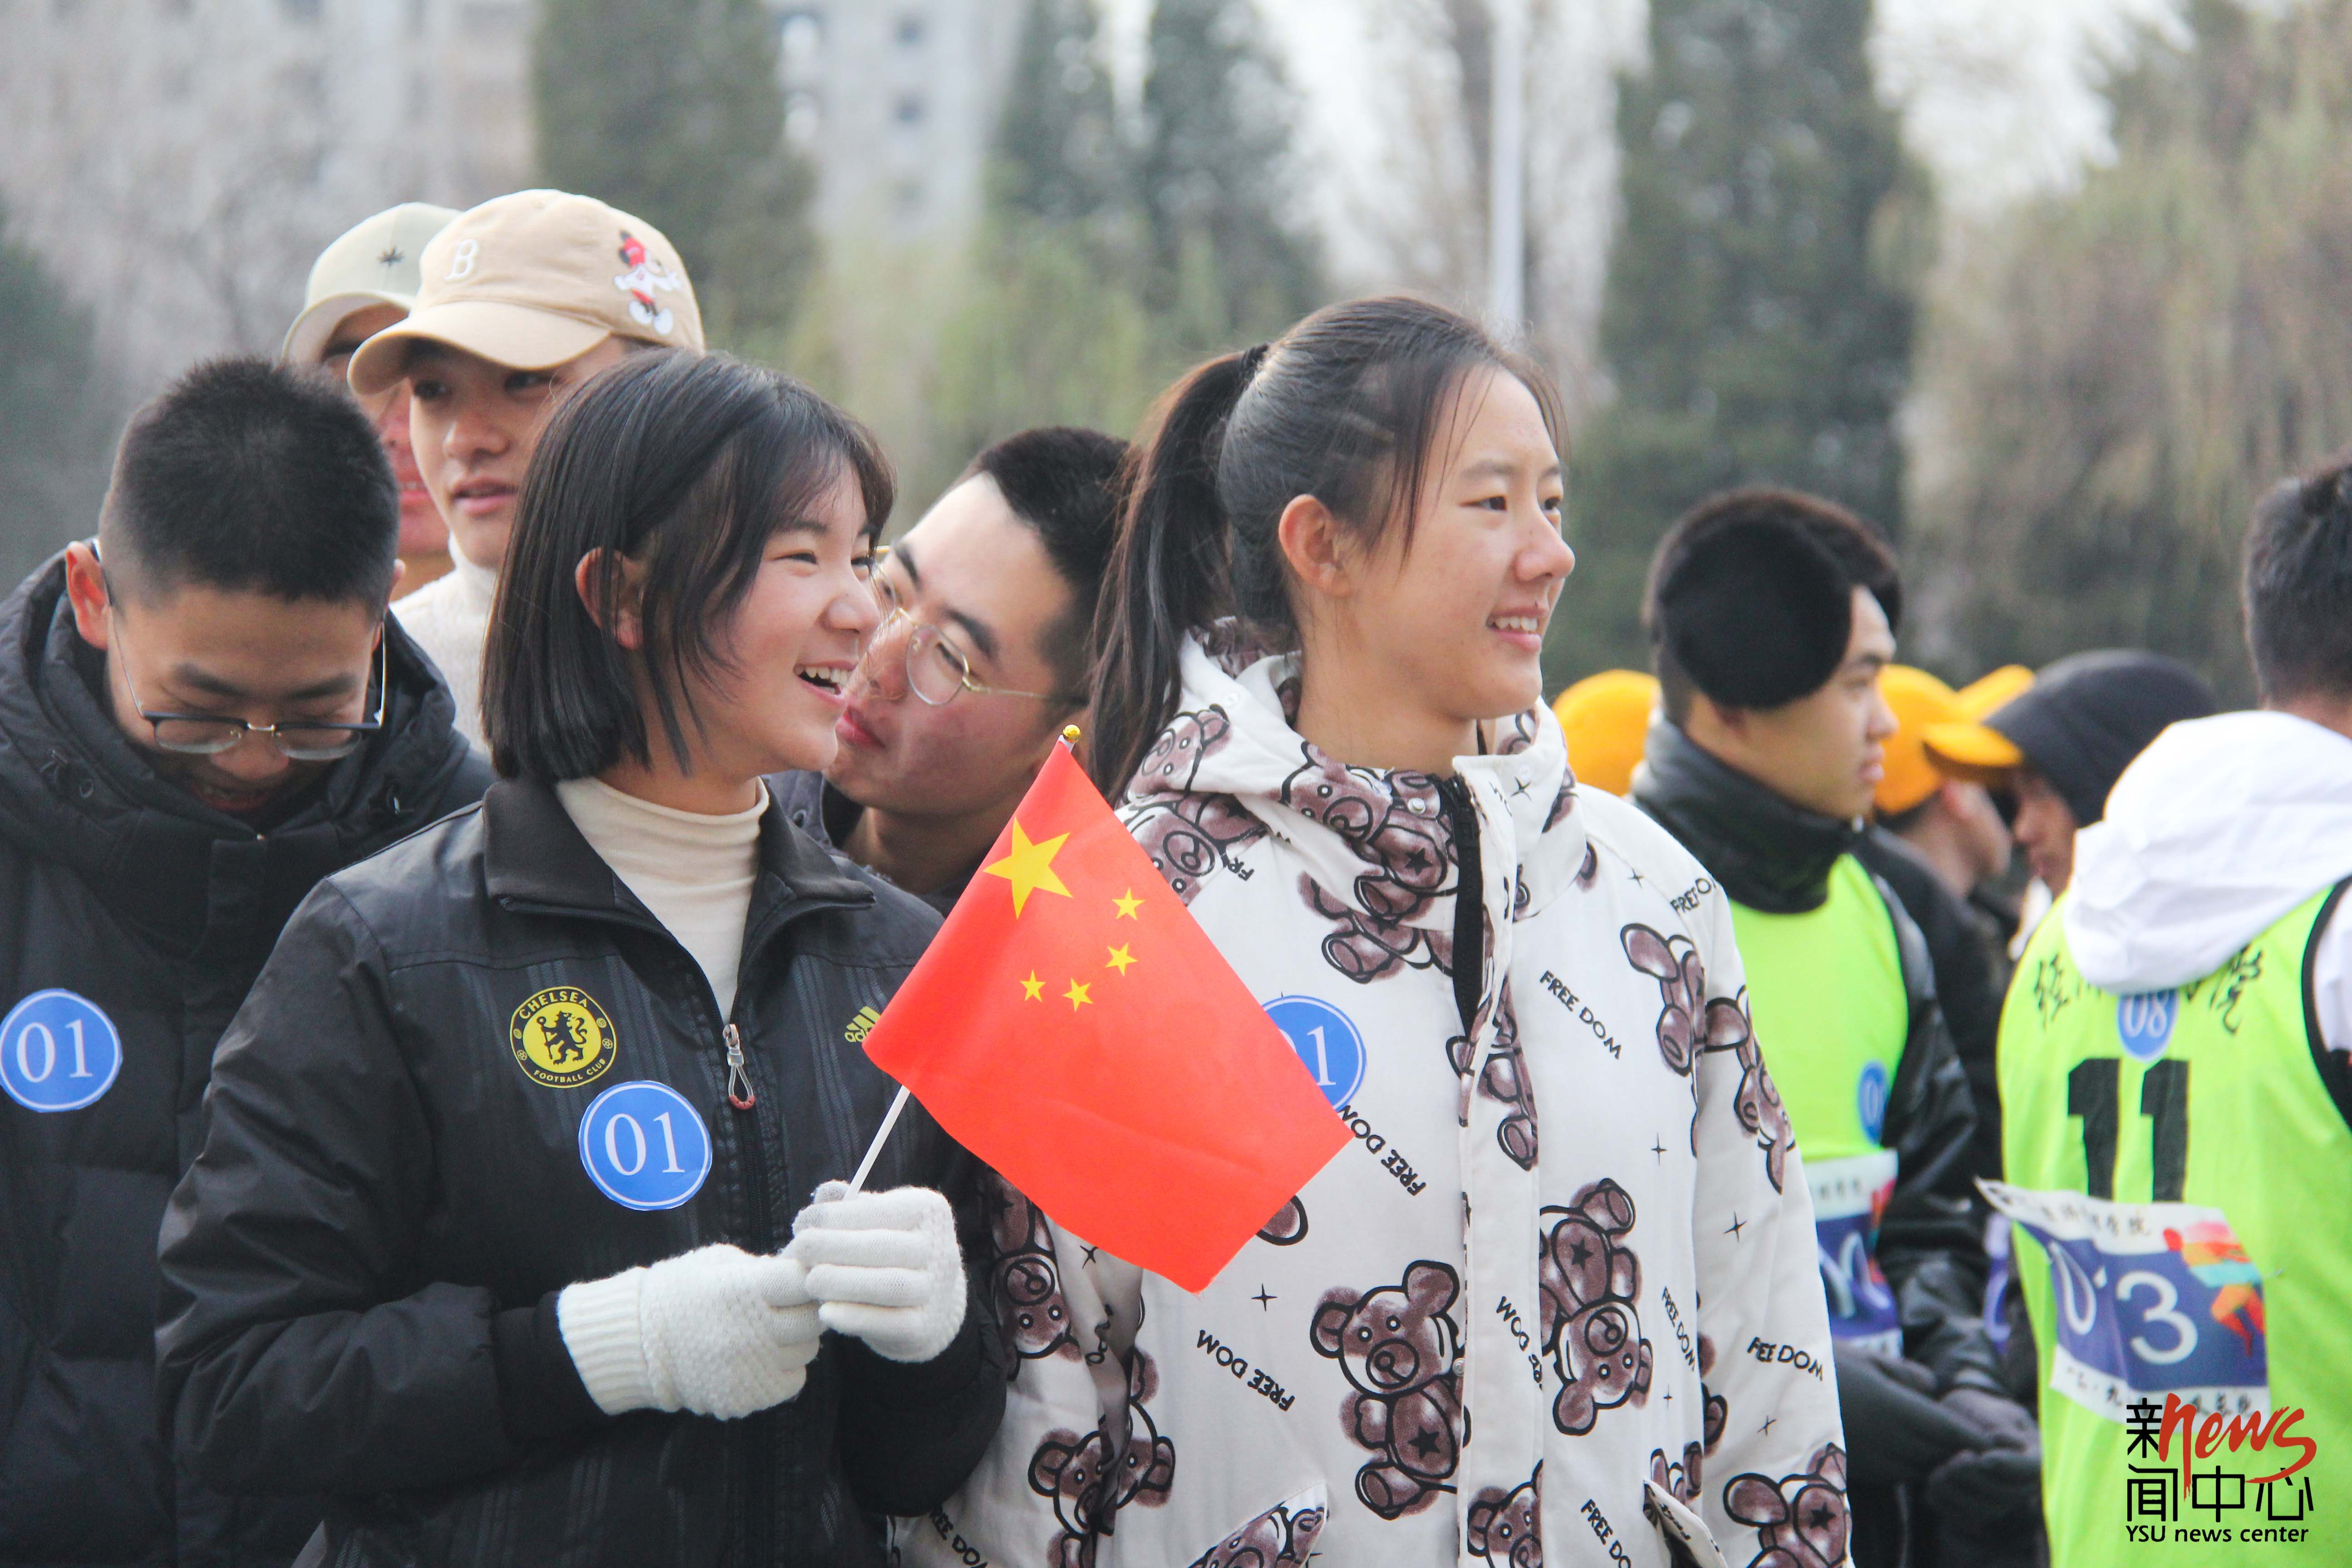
{"points": [[747, 1097]]}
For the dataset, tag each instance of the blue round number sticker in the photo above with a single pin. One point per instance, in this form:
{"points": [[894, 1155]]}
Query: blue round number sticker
{"points": [[57, 1052], [2144, 1022], [644, 1146], [1870, 1099], [1325, 1041]]}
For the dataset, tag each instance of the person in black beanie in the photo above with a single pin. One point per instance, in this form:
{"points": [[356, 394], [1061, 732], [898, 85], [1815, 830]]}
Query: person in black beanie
{"points": [[2061, 745], [1771, 615]]}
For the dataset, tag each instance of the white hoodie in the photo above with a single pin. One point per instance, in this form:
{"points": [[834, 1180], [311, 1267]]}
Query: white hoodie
{"points": [[2216, 831], [1559, 1298]]}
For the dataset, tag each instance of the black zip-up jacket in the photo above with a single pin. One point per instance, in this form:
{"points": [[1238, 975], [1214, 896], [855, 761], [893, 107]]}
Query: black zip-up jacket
{"points": [[360, 1269], [157, 912], [1775, 857]]}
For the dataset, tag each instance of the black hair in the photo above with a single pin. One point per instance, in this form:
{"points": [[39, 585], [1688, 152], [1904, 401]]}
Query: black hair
{"points": [[688, 464], [2298, 586], [252, 476], [1750, 597], [1064, 482], [1347, 407]]}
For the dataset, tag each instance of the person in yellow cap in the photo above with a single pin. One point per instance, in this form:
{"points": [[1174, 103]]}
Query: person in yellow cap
{"points": [[362, 283], [1606, 717], [1935, 840], [522, 299], [1953, 823]]}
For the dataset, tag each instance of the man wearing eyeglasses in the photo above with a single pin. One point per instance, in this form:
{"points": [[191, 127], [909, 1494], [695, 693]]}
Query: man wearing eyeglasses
{"points": [[981, 658], [203, 711]]}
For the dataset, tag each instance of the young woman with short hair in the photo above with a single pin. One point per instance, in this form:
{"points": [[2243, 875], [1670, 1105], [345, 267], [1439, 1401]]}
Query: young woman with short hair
{"points": [[484, 1244]]}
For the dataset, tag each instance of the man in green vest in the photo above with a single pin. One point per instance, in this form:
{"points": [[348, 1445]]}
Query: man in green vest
{"points": [[2173, 1064], [1771, 615]]}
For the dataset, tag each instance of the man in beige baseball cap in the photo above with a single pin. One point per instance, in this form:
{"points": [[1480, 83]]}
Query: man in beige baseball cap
{"points": [[522, 299], [362, 283]]}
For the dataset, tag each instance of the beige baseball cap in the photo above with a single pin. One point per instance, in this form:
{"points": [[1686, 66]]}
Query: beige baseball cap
{"points": [[534, 279], [374, 263]]}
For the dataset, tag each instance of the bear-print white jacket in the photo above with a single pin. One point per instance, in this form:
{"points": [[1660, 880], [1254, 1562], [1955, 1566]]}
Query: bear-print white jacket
{"points": [[1558, 1302]]}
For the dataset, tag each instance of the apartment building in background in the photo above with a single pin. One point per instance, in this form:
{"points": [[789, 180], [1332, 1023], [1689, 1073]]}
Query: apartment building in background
{"points": [[896, 100], [178, 163]]}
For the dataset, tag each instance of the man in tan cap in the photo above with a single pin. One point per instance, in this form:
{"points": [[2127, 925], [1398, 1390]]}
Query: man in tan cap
{"points": [[362, 283], [522, 299]]}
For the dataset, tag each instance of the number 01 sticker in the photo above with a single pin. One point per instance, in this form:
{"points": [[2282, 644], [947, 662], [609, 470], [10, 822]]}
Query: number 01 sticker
{"points": [[644, 1146], [1325, 1041], [57, 1052]]}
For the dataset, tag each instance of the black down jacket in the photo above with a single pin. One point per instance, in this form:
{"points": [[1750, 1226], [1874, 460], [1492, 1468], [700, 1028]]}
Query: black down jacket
{"points": [[360, 1269], [156, 912], [1775, 857]]}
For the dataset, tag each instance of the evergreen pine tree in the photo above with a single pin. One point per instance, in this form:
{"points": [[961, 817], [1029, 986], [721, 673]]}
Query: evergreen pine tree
{"points": [[1230, 260], [674, 112], [55, 417], [2112, 375], [1755, 320], [1053, 329], [1057, 155]]}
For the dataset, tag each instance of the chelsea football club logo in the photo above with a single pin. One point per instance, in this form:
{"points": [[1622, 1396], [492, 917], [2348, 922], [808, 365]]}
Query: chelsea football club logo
{"points": [[562, 1039]]}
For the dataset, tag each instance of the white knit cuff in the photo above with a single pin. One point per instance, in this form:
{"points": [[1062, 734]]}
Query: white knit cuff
{"points": [[602, 1331]]}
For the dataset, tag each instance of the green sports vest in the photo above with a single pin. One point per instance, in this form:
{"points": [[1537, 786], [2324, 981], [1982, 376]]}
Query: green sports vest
{"points": [[1825, 989], [2217, 1270]]}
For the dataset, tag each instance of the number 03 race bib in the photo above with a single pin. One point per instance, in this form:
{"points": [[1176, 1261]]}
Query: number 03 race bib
{"points": [[2150, 1299]]}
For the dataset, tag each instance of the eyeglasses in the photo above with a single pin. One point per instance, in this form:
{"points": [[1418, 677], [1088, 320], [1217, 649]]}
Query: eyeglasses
{"points": [[305, 740], [936, 668]]}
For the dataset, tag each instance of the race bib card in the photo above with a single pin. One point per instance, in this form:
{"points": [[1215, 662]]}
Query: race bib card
{"points": [[1849, 1196], [2150, 1299]]}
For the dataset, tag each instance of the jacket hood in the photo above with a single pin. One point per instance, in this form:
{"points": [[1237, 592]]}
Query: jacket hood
{"points": [[1379, 840], [2221, 827], [1768, 854], [75, 790]]}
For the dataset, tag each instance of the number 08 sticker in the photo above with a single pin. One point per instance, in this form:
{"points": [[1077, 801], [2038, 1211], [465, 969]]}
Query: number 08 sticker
{"points": [[644, 1146], [57, 1052]]}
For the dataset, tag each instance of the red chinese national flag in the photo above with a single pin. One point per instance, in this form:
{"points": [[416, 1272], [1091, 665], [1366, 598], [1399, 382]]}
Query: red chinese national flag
{"points": [[1073, 1026]]}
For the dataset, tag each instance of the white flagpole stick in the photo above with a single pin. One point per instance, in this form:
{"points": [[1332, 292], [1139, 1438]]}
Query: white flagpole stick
{"points": [[881, 1136]]}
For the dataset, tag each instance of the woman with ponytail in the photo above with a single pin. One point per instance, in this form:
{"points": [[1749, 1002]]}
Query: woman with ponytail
{"points": [[1562, 1286]]}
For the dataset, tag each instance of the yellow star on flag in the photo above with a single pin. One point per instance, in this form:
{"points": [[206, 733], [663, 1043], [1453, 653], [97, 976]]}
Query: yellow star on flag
{"points": [[1128, 904], [1120, 959], [1033, 989], [1029, 867], [1075, 996]]}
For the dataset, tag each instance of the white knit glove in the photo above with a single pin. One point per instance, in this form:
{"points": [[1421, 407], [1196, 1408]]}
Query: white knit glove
{"points": [[716, 1330], [884, 1266]]}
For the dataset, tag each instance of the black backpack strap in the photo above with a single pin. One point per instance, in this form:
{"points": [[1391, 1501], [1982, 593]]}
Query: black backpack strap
{"points": [[2333, 1064]]}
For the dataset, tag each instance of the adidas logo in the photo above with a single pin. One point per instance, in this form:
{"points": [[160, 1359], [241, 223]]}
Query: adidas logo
{"points": [[861, 1026]]}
